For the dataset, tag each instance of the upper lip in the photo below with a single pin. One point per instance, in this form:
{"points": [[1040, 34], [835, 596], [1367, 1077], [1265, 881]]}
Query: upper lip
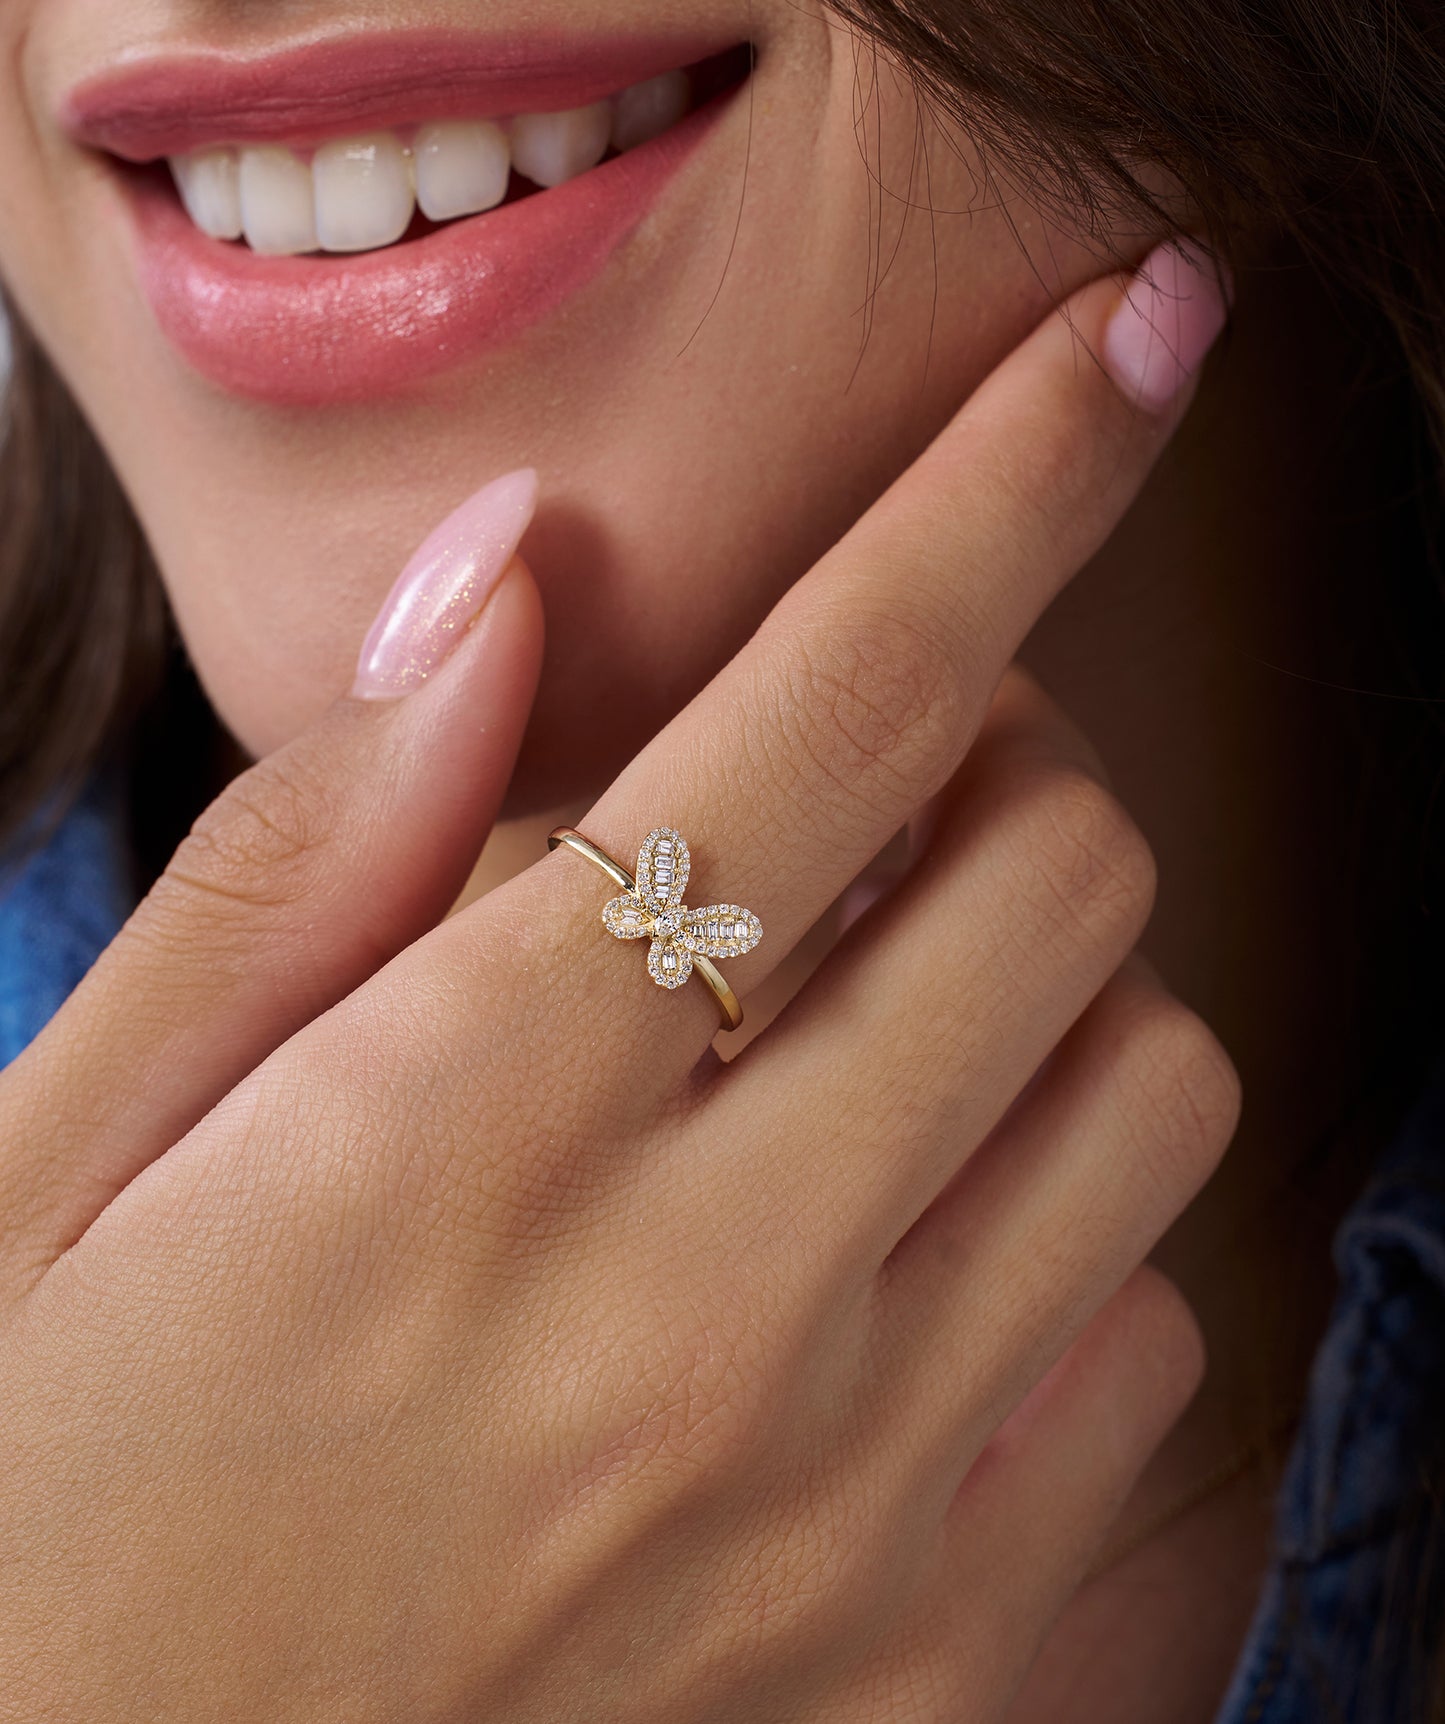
{"points": [[167, 105]]}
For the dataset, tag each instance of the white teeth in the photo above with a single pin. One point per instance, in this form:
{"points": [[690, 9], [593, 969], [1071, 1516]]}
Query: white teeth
{"points": [[648, 110], [210, 189], [364, 197], [278, 207], [462, 167], [550, 149], [359, 194]]}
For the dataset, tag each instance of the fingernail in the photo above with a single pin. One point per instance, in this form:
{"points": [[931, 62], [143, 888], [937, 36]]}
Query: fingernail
{"points": [[1167, 321], [444, 587]]}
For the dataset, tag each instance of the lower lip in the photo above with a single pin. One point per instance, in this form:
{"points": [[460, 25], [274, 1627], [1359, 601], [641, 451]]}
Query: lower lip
{"points": [[313, 331]]}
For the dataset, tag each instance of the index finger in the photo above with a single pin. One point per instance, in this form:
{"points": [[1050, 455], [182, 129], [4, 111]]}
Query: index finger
{"points": [[861, 692]]}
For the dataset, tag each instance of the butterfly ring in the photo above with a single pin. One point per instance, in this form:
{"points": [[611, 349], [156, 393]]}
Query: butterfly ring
{"points": [[651, 907]]}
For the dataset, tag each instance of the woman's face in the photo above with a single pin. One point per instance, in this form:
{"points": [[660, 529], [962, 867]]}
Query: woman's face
{"points": [[716, 347]]}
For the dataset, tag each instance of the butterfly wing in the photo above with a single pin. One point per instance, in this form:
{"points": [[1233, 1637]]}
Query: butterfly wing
{"points": [[663, 865], [723, 930], [669, 964], [627, 918]]}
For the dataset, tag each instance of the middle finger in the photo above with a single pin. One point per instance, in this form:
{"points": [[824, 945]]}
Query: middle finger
{"points": [[943, 1001]]}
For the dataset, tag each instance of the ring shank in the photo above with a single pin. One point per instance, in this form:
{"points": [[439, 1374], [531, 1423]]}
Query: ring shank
{"points": [[727, 1001]]}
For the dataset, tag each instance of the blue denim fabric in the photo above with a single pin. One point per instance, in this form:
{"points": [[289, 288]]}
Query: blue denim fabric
{"points": [[1348, 1605], [1349, 1609], [60, 906]]}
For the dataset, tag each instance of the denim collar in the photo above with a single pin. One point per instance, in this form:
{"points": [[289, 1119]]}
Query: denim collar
{"points": [[1348, 1610]]}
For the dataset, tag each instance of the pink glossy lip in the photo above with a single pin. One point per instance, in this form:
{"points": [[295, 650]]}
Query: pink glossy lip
{"points": [[316, 330]]}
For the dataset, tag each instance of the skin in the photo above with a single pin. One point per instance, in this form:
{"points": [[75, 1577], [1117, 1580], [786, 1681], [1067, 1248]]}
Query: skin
{"points": [[780, 438]]}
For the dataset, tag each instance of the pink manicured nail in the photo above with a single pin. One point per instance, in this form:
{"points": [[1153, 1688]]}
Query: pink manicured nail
{"points": [[444, 587], [1167, 322]]}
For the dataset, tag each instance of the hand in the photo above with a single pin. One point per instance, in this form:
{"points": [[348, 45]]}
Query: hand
{"points": [[411, 1322]]}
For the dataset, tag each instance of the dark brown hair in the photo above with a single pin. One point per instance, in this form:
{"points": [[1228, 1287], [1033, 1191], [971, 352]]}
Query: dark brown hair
{"points": [[83, 629], [1321, 120]]}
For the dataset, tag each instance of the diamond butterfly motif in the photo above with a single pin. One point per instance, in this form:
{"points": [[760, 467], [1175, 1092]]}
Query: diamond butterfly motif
{"points": [[654, 910]]}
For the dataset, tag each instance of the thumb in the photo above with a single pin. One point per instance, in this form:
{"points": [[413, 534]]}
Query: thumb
{"points": [[303, 878]]}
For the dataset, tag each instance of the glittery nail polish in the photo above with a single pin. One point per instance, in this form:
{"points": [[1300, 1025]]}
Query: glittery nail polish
{"points": [[444, 587]]}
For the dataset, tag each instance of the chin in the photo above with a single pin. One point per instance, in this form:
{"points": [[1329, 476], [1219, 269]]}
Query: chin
{"points": [[585, 728], [565, 760]]}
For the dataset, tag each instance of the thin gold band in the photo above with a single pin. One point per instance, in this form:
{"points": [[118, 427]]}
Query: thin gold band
{"points": [[727, 1000]]}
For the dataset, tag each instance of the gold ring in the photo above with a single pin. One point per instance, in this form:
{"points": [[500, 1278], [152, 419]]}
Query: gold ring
{"points": [[683, 941]]}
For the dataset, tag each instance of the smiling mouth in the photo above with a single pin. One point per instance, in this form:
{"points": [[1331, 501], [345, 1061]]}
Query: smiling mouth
{"points": [[348, 218], [367, 190]]}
